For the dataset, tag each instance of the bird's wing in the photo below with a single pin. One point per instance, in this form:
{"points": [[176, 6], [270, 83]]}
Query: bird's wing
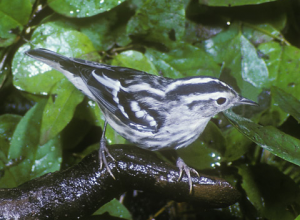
{"points": [[119, 90], [109, 86]]}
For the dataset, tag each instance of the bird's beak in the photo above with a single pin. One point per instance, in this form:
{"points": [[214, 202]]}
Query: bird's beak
{"points": [[244, 101]]}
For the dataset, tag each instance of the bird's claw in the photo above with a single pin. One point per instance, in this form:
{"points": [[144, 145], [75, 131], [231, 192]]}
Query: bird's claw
{"points": [[183, 167], [103, 152]]}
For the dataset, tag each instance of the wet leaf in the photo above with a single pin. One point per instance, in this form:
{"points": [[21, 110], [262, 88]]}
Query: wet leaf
{"points": [[146, 22], [8, 123], [34, 159], [4, 74], [268, 137], [239, 145], [286, 102], [106, 31], [135, 60], [240, 60], [59, 111], [207, 152], [14, 14], [184, 60], [81, 9], [269, 190], [254, 69], [36, 77], [230, 3], [282, 62], [116, 209]]}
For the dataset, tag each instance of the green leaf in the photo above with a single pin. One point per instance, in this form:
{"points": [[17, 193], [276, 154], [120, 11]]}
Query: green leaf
{"points": [[207, 152], [8, 124], [116, 209], [106, 31], [14, 14], [146, 23], [81, 9], [184, 60], [136, 60], [230, 3], [282, 62], [48, 158], [298, 217], [286, 102], [238, 145], [198, 32], [59, 112], [269, 190], [36, 77], [113, 137], [89, 110], [263, 33], [269, 138], [254, 69], [4, 73], [35, 159], [240, 60]]}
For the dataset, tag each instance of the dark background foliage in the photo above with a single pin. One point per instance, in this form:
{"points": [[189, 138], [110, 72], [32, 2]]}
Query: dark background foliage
{"points": [[253, 45]]}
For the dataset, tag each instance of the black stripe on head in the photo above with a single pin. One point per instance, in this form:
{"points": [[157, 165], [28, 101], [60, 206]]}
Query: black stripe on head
{"points": [[199, 88], [195, 104]]}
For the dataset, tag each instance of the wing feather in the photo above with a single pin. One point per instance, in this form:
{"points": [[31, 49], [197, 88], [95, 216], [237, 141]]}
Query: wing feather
{"points": [[114, 94]]}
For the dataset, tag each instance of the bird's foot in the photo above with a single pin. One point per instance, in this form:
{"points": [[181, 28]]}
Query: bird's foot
{"points": [[183, 167], [103, 152]]}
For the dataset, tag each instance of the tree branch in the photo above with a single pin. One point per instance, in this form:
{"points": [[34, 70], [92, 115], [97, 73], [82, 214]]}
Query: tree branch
{"points": [[82, 189]]}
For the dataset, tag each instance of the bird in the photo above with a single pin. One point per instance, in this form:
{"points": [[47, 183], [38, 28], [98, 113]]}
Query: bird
{"points": [[151, 111]]}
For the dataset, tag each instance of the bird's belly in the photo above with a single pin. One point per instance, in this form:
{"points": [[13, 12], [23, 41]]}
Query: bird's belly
{"points": [[170, 137], [176, 136]]}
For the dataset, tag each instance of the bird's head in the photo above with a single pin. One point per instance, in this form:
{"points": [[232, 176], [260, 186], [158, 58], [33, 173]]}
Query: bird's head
{"points": [[206, 96]]}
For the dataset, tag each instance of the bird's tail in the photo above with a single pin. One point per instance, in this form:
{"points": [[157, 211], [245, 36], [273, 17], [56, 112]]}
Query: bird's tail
{"points": [[55, 60], [64, 65]]}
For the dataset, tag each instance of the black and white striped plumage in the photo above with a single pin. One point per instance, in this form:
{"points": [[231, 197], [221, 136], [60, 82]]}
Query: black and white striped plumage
{"points": [[150, 111]]}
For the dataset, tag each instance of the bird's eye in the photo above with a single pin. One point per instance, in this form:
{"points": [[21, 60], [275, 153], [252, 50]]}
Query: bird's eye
{"points": [[221, 101]]}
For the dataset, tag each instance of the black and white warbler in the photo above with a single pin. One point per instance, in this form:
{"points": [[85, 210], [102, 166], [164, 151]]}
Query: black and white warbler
{"points": [[153, 112]]}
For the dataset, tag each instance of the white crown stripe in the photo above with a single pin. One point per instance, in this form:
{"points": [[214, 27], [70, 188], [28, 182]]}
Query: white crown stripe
{"points": [[199, 81], [177, 83]]}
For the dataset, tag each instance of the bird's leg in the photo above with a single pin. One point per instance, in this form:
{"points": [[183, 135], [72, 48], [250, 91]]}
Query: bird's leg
{"points": [[103, 151], [183, 167]]}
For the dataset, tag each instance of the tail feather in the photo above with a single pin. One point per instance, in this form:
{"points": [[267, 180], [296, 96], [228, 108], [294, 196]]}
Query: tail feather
{"points": [[55, 60], [62, 64]]}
